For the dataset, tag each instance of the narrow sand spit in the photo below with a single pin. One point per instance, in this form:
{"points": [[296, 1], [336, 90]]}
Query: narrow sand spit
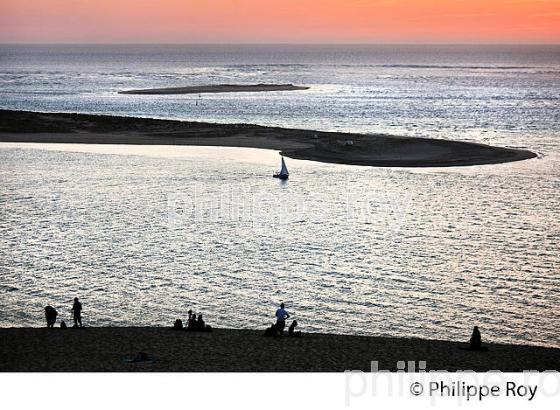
{"points": [[220, 88], [373, 150]]}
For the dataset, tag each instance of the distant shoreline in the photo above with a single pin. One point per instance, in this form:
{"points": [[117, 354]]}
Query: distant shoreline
{"points": [[106, 349], [219, 88], [378, 150]]}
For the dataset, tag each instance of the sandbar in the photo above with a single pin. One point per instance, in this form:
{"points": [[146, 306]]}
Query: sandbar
{"points": [[219, 88], [378, 150]]}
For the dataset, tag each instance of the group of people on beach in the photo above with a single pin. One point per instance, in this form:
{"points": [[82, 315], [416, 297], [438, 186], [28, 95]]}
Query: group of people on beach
{"points": [[277, 329], [194, 323], [197, 324], [51, 314]]}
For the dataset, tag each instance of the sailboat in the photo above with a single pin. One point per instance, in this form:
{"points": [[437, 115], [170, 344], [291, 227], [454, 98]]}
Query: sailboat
{"points": [[283, 174]]}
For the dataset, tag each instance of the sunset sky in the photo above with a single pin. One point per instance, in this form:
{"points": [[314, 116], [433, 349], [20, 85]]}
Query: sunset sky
{"points": [[286, 21]]}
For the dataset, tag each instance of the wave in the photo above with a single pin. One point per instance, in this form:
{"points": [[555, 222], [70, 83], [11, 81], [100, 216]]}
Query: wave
{"points": [[530, 69], [464, 67]]}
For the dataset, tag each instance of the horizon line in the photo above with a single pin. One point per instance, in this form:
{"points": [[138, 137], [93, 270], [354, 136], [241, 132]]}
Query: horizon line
{"points": [[293, 43]]}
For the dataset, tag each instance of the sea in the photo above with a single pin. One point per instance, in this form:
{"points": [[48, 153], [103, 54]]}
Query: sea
{"points": [[141, 234]]}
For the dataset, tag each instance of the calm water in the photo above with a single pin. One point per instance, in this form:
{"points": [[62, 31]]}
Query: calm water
{"points": [[144, 233], [492, 93]]}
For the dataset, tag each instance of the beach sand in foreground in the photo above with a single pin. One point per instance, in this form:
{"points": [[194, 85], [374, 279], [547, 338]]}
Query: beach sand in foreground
{"points": [[226, 350], [219, 88], [332, 147]]}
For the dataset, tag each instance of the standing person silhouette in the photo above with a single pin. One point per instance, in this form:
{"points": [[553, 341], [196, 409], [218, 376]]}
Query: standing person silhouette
{"points": [[281, 316], [77, 312]]}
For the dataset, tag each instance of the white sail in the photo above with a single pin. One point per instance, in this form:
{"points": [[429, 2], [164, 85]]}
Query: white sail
{"points": [[284, 170]]}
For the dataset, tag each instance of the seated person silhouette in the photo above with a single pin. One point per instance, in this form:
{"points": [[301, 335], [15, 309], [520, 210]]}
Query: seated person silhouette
{"points": [[178, 325], [475, 343], [200, 325], [192, 323], [50, 315], [291, 330], [271, 331]]}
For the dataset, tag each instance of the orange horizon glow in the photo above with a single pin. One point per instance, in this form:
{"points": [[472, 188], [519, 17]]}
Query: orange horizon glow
{"points": [[286, 21]]}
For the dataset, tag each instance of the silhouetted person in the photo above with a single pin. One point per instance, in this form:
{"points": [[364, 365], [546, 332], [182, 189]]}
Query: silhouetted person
{"points": [[476, 339], [200, 325], [270, 331], [281, 316], [77, 312], [178, 325], [291, 330], [50, 315], [192, 324]]}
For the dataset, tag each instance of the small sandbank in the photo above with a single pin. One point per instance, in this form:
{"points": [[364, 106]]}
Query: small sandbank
{"points": [[333, 147], [219, 88], [227, 350]]}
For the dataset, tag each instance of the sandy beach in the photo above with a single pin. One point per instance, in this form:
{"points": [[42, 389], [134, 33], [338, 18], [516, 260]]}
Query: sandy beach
{"points": [[219, 88], [227, 350], [341, 148]]}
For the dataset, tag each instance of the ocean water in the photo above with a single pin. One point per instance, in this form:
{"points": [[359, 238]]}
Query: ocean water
{"points": [[482, 93], [141, 234]]}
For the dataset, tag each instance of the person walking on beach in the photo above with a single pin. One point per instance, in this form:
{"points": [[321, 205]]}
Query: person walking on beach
{"points": [[77, 312], [281, 316]]}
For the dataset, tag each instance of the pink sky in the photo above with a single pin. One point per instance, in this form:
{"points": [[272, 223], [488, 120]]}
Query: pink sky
{"points": [[298, 21]]}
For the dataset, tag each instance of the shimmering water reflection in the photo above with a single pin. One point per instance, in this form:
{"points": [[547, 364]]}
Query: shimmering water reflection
{"points": [[143, 233]]}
